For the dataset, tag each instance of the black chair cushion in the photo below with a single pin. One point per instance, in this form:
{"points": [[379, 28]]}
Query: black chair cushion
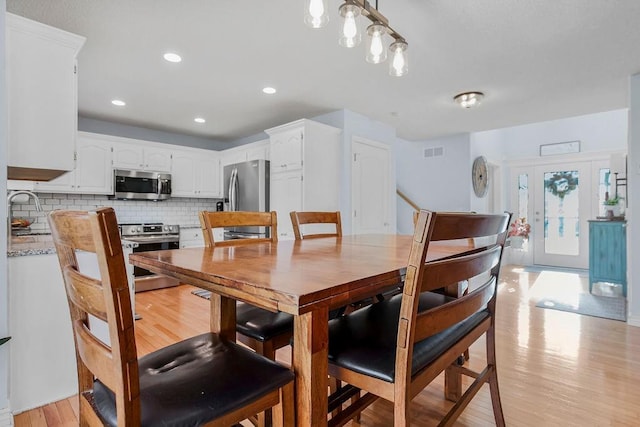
{"points": [[195, 381], [365, 341], [261, 324]]}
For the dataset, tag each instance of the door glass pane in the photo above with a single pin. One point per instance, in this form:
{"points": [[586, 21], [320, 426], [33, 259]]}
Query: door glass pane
{"points": [[604, 189], [523, 195], [561, 213]]}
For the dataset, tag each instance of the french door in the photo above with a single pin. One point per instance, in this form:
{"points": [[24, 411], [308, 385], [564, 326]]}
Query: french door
{"points": [[562, 206]]}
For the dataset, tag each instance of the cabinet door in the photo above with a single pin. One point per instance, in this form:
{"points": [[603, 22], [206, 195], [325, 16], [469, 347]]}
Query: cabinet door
{"points": [[41, 94], [157, 159], [209, 176], [93, 174], [233, 156], [127, 156], [286, 196], [65, 183], [286, 151], [191, 238], [607, 252], [183, 174], [258, 150]]}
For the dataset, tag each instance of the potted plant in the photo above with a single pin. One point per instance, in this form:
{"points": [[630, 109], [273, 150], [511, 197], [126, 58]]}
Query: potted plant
{"points": [[518, 232], [612, 206]]}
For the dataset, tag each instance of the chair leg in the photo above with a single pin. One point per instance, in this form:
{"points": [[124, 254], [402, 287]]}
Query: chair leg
{"points": [[284, 412], [452, 384], [264, 419], [401, 416], [493, 378]]}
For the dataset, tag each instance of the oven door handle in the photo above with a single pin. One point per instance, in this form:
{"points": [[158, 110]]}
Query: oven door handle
{"points": [[142, 241]]}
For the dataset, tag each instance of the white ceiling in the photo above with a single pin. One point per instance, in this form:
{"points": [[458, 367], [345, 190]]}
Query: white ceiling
{"points": [[534, 60]]}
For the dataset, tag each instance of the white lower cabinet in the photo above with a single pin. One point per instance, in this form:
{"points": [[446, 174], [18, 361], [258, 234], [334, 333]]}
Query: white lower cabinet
{"points": [[195, 173], [192, 237]]}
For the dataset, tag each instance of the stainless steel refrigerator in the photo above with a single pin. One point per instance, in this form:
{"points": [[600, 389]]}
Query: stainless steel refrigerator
{"points": [[247, 189]]}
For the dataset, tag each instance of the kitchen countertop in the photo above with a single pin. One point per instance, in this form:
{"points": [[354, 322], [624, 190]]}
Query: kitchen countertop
{"points": [[40, 244]]}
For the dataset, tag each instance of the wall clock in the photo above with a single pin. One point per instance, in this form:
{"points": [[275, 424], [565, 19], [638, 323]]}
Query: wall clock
{"points": [[480, 176]]}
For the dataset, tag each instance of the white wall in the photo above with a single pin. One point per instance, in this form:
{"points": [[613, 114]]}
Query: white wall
{"points": [[633, 229], [4, 304], [436, 183], [600, 132]]}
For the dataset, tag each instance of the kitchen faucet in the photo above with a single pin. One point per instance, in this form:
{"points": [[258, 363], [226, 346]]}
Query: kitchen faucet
{"points": [[10, 198]]}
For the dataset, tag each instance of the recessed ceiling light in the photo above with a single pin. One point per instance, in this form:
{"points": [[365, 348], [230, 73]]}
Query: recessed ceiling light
{"points": [[118, 102], [269, 90], [172, 57], [199, 120], [468, 99]]}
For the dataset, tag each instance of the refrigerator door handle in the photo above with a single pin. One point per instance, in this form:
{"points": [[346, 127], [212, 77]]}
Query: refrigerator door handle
{"points": [[233, 190]]}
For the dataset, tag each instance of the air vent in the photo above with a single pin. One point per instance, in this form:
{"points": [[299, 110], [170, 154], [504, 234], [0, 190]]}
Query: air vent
{"points": [[434, 152]]}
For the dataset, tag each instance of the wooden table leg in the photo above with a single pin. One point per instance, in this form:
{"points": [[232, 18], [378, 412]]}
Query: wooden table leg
{"points": [[223, 316], [310, 366]]}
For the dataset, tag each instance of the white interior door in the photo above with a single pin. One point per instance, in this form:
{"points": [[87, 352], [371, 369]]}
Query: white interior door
{"points": [[370, 181], [562, 207]]}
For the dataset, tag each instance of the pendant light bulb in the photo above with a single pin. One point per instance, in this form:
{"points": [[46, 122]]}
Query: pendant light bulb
{"points": [[350, 34], [376, 53], [315, 13], [399, 61]]}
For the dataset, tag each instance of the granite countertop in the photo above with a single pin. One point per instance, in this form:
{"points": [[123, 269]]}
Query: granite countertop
{"points": [[40, 244]]}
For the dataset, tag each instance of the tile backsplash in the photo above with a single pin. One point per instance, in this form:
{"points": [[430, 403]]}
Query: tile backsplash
{"points": [[181, 211]]}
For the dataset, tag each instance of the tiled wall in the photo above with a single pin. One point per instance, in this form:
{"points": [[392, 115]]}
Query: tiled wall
{"points": [[181, 211]]}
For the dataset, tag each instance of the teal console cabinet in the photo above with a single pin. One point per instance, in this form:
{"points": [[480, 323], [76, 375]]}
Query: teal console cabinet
{"points": [[608, 253]]}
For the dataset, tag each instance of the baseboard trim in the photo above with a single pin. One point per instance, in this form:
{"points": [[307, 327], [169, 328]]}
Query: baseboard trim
{"points": [[633, 321], [6, 419]]}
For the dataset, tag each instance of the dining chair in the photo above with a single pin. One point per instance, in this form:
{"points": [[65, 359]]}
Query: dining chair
{"points": [[318, 219], [395, 348], [262, 330], [203, 380]]}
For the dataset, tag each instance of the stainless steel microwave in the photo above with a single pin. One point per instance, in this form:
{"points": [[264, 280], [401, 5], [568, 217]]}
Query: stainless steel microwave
{"points": [[141, 185]]}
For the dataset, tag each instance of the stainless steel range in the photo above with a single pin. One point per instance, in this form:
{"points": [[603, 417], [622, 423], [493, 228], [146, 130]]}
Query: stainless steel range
{"points": [[151, 237]]}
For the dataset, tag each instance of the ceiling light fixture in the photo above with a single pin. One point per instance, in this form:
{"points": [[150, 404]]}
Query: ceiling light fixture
{"points": [[350, 33], [269, 90], [315, 13], [469, 99], [172, 57], [199, 120], [118, 103]]}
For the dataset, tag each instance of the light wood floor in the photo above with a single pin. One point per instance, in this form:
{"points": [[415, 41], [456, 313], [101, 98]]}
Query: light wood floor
{"points": [[555, 368]]}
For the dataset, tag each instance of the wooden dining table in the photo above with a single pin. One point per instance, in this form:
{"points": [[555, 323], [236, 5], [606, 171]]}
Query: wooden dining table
{"points": [[305, 278]]}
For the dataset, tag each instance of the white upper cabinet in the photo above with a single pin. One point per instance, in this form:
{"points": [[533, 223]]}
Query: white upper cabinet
{"points": [[195, 173], [92, 174], [137, 155], [305, 164], [286, 149], [42, 98], [258, 150]]}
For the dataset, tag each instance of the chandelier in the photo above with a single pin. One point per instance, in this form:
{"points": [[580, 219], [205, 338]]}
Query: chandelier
{"points": [[316, 16]]}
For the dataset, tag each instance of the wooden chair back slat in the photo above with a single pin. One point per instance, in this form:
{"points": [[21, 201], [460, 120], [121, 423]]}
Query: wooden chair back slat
{"points": [[442, 273], [454, 226], [115, 364], [431, 322], [298, 219], [210, 220], [85, 292], [96, 355]]}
